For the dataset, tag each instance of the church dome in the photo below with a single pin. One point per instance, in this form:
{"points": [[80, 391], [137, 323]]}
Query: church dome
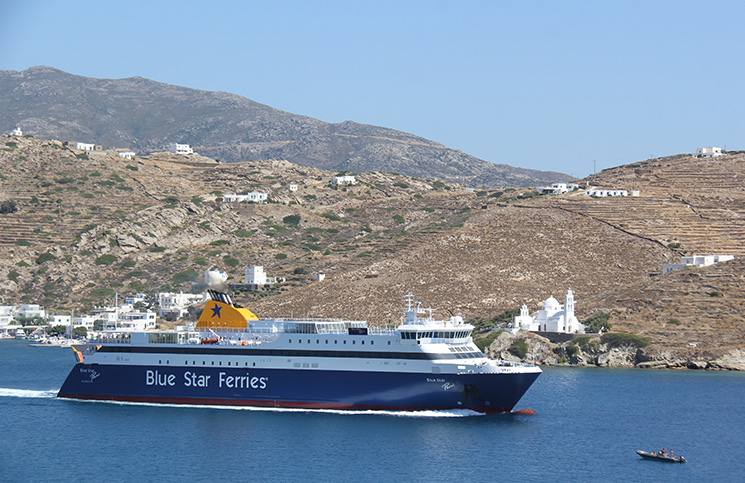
{"points": [[551, 305]]}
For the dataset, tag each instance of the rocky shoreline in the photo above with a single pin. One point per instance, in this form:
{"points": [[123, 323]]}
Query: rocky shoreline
{"points": [[590, 351]]}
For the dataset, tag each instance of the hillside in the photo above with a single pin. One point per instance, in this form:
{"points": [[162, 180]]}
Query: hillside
{"points": [[88, 226], [145, 116]]}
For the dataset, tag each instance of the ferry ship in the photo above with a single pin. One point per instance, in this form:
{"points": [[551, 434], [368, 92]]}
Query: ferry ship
{"points": [[231, 357]]}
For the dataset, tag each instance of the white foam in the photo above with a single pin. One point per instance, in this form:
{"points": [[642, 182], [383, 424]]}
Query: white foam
{"points": [[26, 393], [445, 413]]}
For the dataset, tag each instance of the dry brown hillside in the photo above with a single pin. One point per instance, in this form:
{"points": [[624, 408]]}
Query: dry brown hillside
{"points": [[90, 226]]}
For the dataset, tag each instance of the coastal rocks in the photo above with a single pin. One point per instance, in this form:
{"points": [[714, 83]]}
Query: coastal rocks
{"points": [[733, 360], [589, 351], [618, 357]]}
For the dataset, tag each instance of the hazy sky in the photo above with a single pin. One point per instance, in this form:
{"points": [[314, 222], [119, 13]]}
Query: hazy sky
{"points": [[550, 85]]}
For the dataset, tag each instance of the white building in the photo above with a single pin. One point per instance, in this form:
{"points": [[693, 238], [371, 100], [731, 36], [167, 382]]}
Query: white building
{"points": [[126, 154], [319, 277], [136, 320], [65, 320], [138, 297], [6, 314], [177, 148], [109, 315], [254, 197], [30, 311], [16, 132], [85, 146], [177, 304], [87, 321], [696, 261], [709, 152], [551, 318], [292, 187], [604, 192], [343, 180], [558, 188], [255, 275]]}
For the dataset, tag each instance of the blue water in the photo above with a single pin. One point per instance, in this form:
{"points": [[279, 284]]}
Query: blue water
{"points": [[588, 425]]}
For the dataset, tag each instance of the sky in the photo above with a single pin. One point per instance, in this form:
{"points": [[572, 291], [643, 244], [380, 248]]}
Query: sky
{"points": [[568, 86]]}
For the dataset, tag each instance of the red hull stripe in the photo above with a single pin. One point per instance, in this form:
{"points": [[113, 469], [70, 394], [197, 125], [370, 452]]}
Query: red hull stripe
{"points": [[275, 404]]}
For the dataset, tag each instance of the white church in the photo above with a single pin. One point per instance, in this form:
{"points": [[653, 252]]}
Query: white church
{"points": [[551, 318]]}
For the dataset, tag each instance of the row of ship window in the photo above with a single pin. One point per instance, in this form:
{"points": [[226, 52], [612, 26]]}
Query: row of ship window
{"points": [[435, 334], [204, 363], [241, 352], [318, 341], [349, 354]]}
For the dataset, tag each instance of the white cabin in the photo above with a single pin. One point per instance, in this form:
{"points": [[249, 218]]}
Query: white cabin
{"points": [[343, 180], [558, 188], [85, 146], [605, 192], [709, 152], [177, 148], [696, 261], [253, 197]]}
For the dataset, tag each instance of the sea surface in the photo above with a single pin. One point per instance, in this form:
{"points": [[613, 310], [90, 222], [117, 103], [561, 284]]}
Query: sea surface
{"points": [[589, 423]]}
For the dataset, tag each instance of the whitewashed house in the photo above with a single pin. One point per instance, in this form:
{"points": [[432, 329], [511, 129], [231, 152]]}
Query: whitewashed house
{"points": [[136, 320], [558, 188], [696, 261], [343, 180], [87, 321], [255, 275], [64, 320], [709, 152], [126, 154], [253, 197], [16, 132], [138, 297], [605, 192], [85, 146], [292, 187], [30, 311], [177, 304], [177, 148], [6, 314], [551, 318]]}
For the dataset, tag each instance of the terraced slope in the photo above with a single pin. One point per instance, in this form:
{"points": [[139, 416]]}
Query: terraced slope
{"points": [[699, 203]]}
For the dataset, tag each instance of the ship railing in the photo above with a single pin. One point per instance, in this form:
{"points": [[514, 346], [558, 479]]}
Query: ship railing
{"points": [[111, 339]]}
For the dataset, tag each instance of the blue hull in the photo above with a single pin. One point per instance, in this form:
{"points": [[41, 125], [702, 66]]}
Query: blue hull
{"points": [[488, 393]]}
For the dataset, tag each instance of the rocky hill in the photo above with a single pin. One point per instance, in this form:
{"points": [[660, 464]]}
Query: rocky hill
{"points": [[145, 116], [90, 225]]}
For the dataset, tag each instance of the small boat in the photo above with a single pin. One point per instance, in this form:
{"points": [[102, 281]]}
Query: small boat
{"points": [[660, 457]]}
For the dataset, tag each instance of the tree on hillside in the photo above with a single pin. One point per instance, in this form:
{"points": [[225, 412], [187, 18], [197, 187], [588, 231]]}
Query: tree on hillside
{"points": [[597, 322], [8, 206]]}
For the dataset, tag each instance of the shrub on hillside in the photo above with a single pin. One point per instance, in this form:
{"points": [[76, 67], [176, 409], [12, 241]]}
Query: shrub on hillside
{"points": [[105, 260], [485, 342], [622, 339], [292, 220], [519, 348], [597, 322], [8, 206]]}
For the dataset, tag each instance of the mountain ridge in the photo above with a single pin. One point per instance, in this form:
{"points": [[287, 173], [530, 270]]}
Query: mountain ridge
{"points": [[146, 115]]}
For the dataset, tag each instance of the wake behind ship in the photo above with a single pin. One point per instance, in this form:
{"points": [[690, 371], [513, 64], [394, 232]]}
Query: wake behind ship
{"points": [[231, 357]]}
